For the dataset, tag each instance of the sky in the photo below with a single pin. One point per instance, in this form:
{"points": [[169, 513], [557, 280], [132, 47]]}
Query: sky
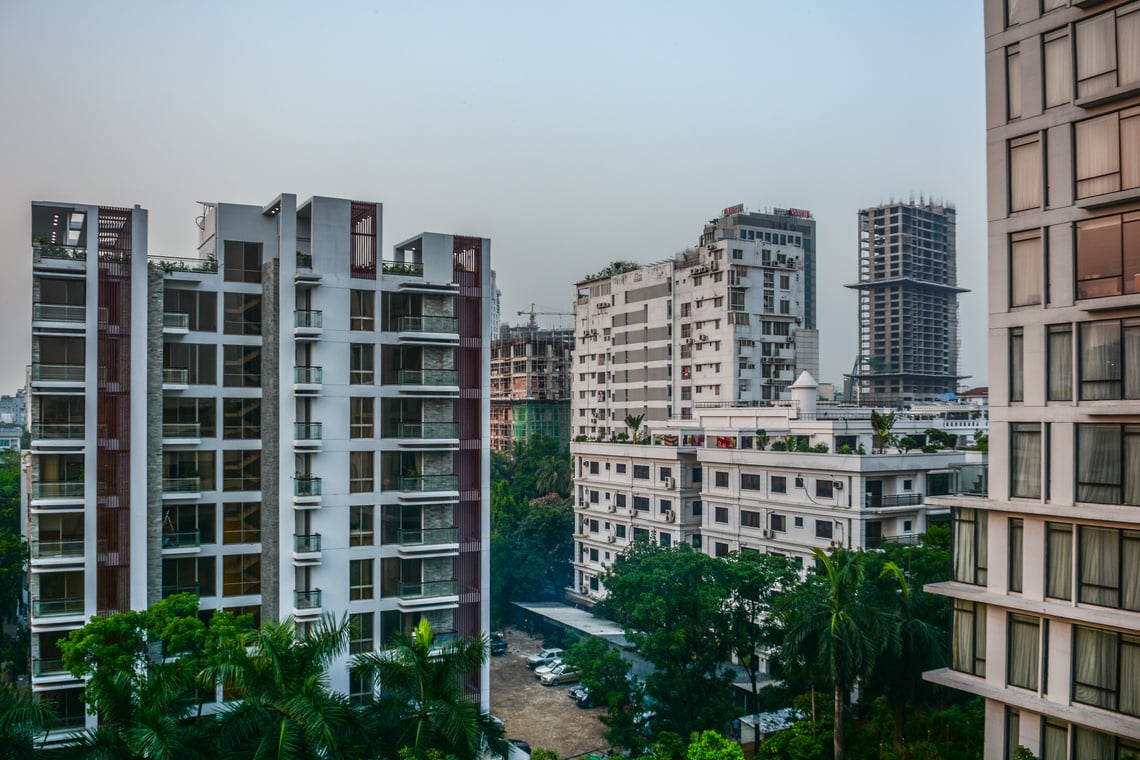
{"points": [[570, 134]]}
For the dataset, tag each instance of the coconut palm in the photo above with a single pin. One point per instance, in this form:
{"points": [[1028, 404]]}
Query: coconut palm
{"points": [[633, 422], [421, 703], [833, 626], [883, 424], [553, 476], [22, 722]]}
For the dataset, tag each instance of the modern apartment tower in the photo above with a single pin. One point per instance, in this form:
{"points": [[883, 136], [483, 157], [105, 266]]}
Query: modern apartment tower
{"points": [[1046, 583], [530, 385], [286, 424], [908, 304]]}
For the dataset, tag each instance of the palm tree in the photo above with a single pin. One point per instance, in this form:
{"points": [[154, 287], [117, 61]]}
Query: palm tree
{"points": [[830, 622], [553, 476], [633, 422], [286, 708], [421, 687], [883, 423], [21, 722]]}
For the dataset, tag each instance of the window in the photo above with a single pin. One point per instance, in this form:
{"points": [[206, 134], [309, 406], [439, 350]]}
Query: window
{"points": [[1016, 364], [201, 309], [199, 360], [824, 489], [1016, 540], [721, 479], [799, 482], [1092, 745], [1026, 180], [593, 554], [241, 470], [641, 472], [1108, 153], [181, 417], [1013, 82], [665, 538], [749, 519], [242, 314], [360, 579], [666, 473], [363, 368], [619, 499], [1058, 69], [362, 417], [189, 465], [779, 484], [1106, 51], [1026, 268], [1054, 740], [641, 503], [595, 497], [593, 468], [970, 548], [361, 472], [698, 475], [1106, 670], [179, 575], [619, 531], [1025, 460], [665, 505], [1109, 567], [1110, 359], [823, 528], [779, 523], [969, 655], [721, 515], [242, 262], [362, 314], [1060, 374], [361, 525], [241, 574], [749, 482], [241, 522], [1107, 264], [241, 366], [619, 469], [1024, 662], [1012, 12], [1108, 464], [361, 632], [1058, 560], [799, 522], [241, 418], [1012, 732], [720, 549], [181, 519]]}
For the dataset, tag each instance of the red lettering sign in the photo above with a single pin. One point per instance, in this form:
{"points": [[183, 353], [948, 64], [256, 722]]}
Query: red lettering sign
{"points": [[738, 208]]}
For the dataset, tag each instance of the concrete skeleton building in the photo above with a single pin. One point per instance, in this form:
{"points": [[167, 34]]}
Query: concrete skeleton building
{"points": [[908, 304], [530, 385], [726, 321], [1046, 583], [285, 425], [707, 482]]}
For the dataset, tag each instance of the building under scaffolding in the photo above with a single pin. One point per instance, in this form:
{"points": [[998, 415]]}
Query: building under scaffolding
{"points": [[530, 385]]}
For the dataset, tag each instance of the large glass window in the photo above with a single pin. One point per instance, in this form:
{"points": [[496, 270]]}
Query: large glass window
{"points": [[1108, 256], [1055, 741], [361, 525], [362, 474], [1108, 51], [188, 417], [1026, 269], [1093, 745], [1025, 460], [1110, 360], [241, 470], [362, 417], [971, 545], [1026, 173], [1059, 378], [193, 363], [362, 370], [241, 574], [969, 635], [1058, 69], [201, 309], [362, 304], [1013, 79], [1016, 558], [1108, 464], [242, 366], [242, 314], [360, 583], [1106, 670], [1017, 364], [361, 637], [1109, 567], [241, 418], [1108, 153], [1058, 560], [241, 522], [1024, 663], [242, 262]]}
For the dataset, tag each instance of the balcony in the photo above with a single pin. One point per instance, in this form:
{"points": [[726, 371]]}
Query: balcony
{"points": [[181, 433], [428, 431], [181, 488], [400, 268], [428, 589], [428, 536], [66, 549], [58, 432], [968, 480], [58, 373], [61, 257], [307, 379], [305, 275], [307, 434], [172, 264], [305, 485], [428, 377], [433, 325], [907, 539], [183, 539], [45, 608], [57, 490], [307, 548], [174, 323], [183, 588], [429, 483], [44, 668], [50, 312], [892, 500], [308, 323], [175, 379], [307, 603]]}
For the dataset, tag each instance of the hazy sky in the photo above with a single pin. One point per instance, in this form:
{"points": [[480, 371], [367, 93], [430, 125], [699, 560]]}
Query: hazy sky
{"points": [[571, 134]]}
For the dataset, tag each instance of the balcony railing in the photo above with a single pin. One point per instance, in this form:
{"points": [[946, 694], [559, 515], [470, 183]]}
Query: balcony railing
{"points": [[308, 318], [179, 264], [57, 490], [428, 536], [428, 589], [182, 539], [181, 430], [307, 600], [429, 430], [965, 480], [51, 312], [181, 588], [428, 377], [307, 544], [57, 607], [57, 549], [48, 667], [409, 269], [429, 483], [175, 376], [304, 260], [57, 431], [176, 321], [307, 431], [59, 373], [303, 485], [427, 324], [893, 500], [182, 485], [873, 542], [308, 375], [57, 252]]}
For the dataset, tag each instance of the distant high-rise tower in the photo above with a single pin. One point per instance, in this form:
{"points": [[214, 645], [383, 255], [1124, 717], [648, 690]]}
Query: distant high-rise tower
{"points": [[908, 304]]}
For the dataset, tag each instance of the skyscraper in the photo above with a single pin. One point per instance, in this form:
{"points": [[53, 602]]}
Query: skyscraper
{"points": [[1046, 580], [908, 304]]}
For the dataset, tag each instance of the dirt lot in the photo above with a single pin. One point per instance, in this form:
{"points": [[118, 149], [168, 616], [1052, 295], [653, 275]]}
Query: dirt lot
{"points": [[541, 715]]}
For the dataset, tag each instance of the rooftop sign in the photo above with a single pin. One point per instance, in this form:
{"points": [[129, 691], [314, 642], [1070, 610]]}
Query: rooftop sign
{"points": [[738, 208]]}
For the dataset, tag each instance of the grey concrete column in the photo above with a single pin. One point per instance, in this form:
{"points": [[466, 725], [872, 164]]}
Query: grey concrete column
{"points": [[271, 440]]}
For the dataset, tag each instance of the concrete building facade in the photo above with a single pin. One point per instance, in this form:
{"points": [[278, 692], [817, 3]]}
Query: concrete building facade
{"points": [[1046, 583], [287, 424], [530, 385]]}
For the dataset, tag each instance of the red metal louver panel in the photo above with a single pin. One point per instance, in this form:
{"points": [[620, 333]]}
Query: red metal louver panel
{"points": [[364, 240]]}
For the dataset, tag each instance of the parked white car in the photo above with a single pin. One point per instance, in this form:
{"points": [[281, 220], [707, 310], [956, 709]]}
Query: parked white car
{"points": [[544, 656]]}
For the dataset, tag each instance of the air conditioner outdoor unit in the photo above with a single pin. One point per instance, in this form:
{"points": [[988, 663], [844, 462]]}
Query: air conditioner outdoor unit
{"points": [[670, 483], [704, 337], [767, 533], [670, 515], [611, 538], [836, 544], [837, 485], [611, 508]]}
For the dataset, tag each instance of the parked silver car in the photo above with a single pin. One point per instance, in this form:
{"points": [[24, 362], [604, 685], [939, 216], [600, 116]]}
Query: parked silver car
{"points": [[544, 656]]}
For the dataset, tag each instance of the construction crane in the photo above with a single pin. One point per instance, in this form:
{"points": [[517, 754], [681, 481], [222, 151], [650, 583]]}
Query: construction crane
{"points": [[532, 323]]}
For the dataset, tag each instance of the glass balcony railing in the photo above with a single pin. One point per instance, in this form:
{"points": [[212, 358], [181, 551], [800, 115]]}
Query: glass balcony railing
{"points": [[57, 607], [175, 376], [57, 490], [182, 539], [307, 375], [307, 600], [303, 485], [48, 667], [57, 431], [427, 324], [429, 483], [307, 431], [428, 589], [180, 588], [181, 430], [428, 377], [175, 321], [51, 312], [428, 430], [59, 373], [308, 318], [57, 252], [409, 269], [182, 485], [63, 549], [428, 536], [307, 544], [970, 480]]}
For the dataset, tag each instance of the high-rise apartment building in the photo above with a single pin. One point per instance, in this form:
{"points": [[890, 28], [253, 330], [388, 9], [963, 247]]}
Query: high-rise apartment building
{"points": [[287, 424], [716, 323], [1046, 581], [530, 385], [908, 304]]}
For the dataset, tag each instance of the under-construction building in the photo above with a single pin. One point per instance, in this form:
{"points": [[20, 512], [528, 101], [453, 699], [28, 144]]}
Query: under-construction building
{"points": [[530, 385], [908, 304]]}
